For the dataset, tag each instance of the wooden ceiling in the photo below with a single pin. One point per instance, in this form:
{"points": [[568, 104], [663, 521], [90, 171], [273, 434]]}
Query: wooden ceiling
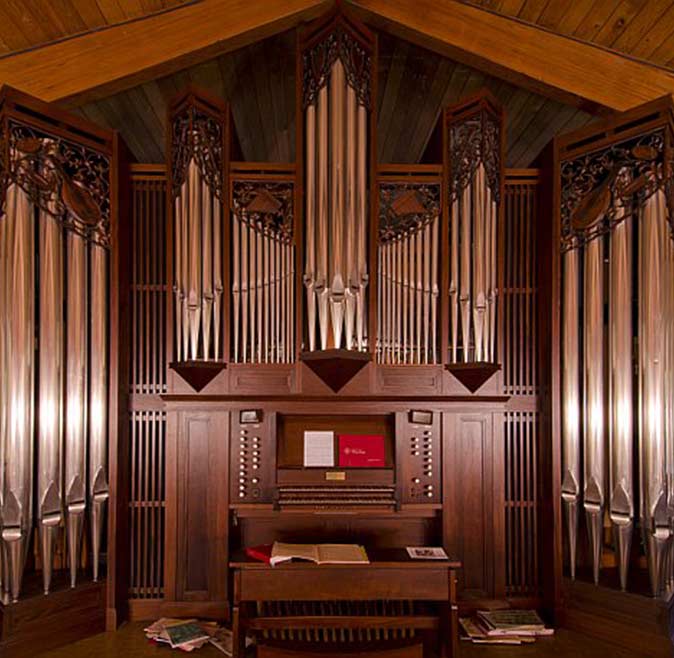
{"points": [[413, 85], [640, 28], [29, 23]]}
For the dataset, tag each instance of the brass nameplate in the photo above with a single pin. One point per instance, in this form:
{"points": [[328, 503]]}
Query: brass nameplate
{"points": [[335, 475]]}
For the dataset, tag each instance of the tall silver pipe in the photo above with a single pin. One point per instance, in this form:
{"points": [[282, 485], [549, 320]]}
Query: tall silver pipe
{"points": [[218, 285], [350, 239], [322, 235], [4, 383], [194, 280], [435, 289], [464, 270], [236, 285], [479, 297], [337, 207], [310, 224], [185, 243], [244, 292], [99, 491], [178, 276], [571, 401], [361, 230], [594, 439], [455, 221], [621, 505], [207, 278], [50, 403], [77, 314], [652, 453], [18, 498]]}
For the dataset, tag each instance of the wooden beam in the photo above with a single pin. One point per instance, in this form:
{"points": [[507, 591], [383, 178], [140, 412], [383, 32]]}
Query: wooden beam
{"points": [[102, 63], [573, 72]]}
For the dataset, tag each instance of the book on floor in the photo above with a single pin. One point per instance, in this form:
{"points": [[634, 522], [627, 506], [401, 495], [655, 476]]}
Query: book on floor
{"points": [[319, 553]]}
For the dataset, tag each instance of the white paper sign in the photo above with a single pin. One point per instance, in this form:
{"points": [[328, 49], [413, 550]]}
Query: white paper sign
{"points": [[319, 449]]}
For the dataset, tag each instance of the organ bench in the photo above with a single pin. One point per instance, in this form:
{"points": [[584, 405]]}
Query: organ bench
{"points": [[393, 604]]}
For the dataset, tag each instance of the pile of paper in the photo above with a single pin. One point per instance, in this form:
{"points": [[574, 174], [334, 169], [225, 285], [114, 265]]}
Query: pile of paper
{"points": [[189, 634], [504, 627]]}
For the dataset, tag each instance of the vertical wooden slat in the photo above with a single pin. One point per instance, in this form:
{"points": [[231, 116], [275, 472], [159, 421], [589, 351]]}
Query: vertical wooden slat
{"points": [[148, 381], [520, 382]]}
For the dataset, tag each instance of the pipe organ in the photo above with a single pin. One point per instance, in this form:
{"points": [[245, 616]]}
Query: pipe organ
{"points": [[617, 339], [57, 229], [474, 166], [263, 269], [337, 64], [199, 152], [408, 284]]}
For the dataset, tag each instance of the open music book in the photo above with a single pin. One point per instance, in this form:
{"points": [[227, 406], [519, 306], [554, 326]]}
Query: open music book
{"points": [[319, 553]]}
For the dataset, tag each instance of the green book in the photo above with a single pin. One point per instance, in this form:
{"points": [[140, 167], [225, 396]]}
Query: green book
{"points": [[185, 634]]}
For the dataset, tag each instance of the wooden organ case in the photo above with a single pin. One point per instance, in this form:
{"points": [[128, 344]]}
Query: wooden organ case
{"points": [[319, 295], [63, 419]]}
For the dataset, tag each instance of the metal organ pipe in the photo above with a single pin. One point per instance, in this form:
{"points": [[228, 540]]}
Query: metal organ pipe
{"points": [[571, 415], [77, 313], [407, 277], [50, 401], [263, 270], [594, 431], [54, 313], [621, 426], [336, 275], [652, 326], [98, 408], [617, 248], [17, 509]]}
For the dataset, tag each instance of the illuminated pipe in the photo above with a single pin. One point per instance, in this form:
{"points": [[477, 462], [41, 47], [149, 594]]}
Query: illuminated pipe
{"points": [[652, 453], [77, 314], [571, 402], [99, 490], [310, 241], [50, 420], [361, 227], [621, 505], [594, 435], [207, 273], [4, 391], [20, 324], [337, 85], [194, 281]]}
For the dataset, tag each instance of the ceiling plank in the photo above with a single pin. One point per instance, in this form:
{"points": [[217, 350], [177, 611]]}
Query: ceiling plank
{"points": [[102, 63], [561, 68]]}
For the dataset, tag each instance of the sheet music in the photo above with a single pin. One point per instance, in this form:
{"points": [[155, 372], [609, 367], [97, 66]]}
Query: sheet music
{"points": [[319, 449]]}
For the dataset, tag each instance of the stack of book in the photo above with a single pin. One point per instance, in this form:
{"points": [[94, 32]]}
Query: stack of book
{"points": [[504, 627], [189, 634]]}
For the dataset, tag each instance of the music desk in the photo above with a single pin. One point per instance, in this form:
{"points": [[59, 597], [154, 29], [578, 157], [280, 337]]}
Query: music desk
{"points": [[390, 576]]}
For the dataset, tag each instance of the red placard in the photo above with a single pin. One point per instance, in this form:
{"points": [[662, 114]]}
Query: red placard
{"points": [[361, 451]]}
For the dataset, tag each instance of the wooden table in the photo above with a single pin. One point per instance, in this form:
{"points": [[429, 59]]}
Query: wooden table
{"points": [[390, 575]]}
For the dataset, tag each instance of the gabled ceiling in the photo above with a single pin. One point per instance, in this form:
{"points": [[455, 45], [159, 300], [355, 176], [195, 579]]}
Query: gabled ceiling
{"points": [[119, 61]]}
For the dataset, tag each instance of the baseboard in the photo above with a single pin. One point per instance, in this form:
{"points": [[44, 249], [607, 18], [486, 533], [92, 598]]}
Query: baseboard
{"points": [[634, 622], [147, 609], [38, 623]]}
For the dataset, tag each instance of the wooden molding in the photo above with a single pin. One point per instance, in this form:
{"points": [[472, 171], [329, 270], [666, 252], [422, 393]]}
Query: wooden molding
{"points": [[571, 71], [102, 63]]}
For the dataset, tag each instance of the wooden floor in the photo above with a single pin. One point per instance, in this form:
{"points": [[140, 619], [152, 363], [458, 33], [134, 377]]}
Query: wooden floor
{"points": [[130, 641]]}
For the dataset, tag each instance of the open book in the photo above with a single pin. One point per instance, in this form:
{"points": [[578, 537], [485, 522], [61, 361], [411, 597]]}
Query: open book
{"points": [[319, 553]]}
